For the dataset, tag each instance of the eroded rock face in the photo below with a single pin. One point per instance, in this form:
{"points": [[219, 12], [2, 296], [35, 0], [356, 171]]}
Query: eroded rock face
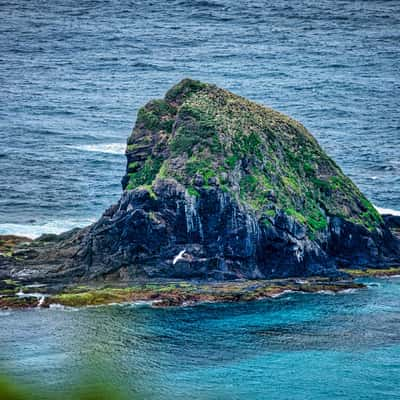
{"points": [[221, 239], [145, 231], [218, 187]]}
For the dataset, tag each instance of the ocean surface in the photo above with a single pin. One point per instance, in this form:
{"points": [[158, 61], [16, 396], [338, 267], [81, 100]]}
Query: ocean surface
{"points": [[73, 75], [295, 347]]}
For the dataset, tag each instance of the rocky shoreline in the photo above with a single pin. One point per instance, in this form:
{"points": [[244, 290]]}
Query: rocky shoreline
{"points": [[164, 293], [14, 295]]}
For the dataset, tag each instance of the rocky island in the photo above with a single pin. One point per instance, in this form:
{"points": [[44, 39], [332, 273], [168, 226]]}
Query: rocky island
{"points": [[217, 189]]}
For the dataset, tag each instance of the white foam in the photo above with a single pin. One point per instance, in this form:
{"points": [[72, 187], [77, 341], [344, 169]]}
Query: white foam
{"points": [[110, 148], [350, 290], [60, 307], [35, 230], [57, 306], [387, 211], [329, 292], [284, 292], [36, 295], [137, 303]]}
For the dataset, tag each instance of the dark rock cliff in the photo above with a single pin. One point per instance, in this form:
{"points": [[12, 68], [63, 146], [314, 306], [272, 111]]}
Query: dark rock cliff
{"points": [[218, 187]]}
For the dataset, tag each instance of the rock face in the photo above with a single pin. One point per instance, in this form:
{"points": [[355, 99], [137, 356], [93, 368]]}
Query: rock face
{"points": [[234, 188]]}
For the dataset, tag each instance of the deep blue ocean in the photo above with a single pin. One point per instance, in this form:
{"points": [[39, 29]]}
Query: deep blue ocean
{"points": [[74, 73], [72, 77]]}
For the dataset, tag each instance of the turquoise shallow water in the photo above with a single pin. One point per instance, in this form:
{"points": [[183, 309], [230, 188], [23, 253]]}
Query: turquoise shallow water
{"points": [[299, 346]]}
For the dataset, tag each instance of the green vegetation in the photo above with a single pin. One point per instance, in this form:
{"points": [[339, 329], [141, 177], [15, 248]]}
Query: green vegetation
{"points": [[196, 131], [9, 242], [193, 192], [232, 160], [162, 172], [131, 147], [184, 89], [194, 165], [149, 189], [300, 217], [93, 297], [258, 155], [316, 220], [146, 174], [133, 166], [368, 272], [147, 118], [157, 114], [183, 142], [247, 145]]}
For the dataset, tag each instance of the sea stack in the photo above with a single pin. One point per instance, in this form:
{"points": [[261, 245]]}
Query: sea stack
{"points": [[218, 187]]}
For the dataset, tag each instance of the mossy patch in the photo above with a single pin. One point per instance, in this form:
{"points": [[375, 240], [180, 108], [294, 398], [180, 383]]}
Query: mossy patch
{"points": [[371, 272], [92, 298], [9, 242], [156, 115], [146, 174], [193, 192], [183, 90]]}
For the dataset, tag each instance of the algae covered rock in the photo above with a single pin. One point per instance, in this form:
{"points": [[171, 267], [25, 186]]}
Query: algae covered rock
{"points": [[204, 136], [235, 189], [243, 190]]}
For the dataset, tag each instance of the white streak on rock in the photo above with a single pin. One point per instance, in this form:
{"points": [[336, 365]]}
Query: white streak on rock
{"points": [[193, 222]]}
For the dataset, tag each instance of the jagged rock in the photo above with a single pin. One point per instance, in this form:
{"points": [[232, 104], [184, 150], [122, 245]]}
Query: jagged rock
{"points": [[393, 222], [237, 189]]}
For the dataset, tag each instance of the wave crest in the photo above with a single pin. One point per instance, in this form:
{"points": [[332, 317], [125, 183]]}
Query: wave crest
{"points": [[35, 230], [387, 211], [110, 148]]}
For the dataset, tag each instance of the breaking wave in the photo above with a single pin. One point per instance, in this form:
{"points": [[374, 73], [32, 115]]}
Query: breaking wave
{"points": [[110, 148], [35, 230]]}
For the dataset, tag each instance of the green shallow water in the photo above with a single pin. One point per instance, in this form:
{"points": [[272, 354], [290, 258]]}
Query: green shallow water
{"points": [[298, 346]]}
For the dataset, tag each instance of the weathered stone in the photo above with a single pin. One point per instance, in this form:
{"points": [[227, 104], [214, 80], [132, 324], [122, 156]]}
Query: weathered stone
{"points": [[218, 187]]}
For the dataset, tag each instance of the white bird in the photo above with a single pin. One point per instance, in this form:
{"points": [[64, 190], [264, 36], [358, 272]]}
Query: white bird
{"points": [[41, 301], [179, 256]]}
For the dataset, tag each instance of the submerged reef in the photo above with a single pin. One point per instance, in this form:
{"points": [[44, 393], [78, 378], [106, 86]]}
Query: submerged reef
{"points": [[217, 187]]}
